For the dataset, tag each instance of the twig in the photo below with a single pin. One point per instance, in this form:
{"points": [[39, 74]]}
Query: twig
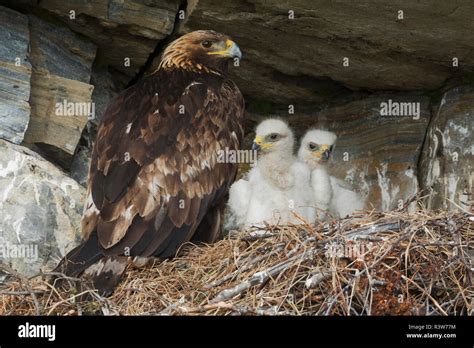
{"points": [[246, 267], [20, 293], [261, 277], [26, 282], [68, 300], [427, 294], [373, 229], [256, 235]]}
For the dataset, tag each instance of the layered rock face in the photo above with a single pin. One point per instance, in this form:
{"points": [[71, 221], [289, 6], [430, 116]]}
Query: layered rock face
{"points": [[61, 95], [295, 50], [447, 160], [15, 72], [126, 31], [393, 80]]}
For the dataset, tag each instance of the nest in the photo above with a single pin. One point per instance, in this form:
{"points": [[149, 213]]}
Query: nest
{"points": [[392, 263]]}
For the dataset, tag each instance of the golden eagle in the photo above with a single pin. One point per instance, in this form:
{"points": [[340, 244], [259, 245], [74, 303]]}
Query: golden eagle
{"points": [[155, 181]]}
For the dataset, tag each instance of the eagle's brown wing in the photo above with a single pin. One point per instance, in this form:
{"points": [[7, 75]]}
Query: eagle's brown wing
{"points": [[154, 173]]}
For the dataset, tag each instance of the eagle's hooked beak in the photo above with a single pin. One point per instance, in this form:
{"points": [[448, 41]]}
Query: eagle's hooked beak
{"points": [[231, 50]]}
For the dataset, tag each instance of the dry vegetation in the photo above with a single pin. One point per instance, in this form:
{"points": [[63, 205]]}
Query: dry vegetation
{"points": [[372, 264]]}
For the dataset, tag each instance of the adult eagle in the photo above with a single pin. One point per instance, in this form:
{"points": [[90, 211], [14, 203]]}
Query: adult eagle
{"points": [[154, 180]]}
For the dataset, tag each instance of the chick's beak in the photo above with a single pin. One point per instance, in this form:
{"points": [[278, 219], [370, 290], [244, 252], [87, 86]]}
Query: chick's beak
{"points": [[326, 154], [323, 153], [257, 143], [256, 147]]}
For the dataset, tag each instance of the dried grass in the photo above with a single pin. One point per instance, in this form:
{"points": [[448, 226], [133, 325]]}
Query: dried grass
{"points": [[408, 264]]}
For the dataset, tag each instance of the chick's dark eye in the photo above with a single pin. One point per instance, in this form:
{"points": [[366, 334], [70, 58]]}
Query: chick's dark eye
{"points": [[312, 146], [206, 44], [273, 136]]}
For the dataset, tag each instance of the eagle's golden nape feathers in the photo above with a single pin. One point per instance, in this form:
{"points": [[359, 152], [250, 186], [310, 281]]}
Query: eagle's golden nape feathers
{"points": [[200, 51], [154, 181]]}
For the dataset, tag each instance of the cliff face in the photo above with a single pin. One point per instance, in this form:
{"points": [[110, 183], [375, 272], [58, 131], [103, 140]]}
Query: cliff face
{"points": [[334, 64], [294, 50]]}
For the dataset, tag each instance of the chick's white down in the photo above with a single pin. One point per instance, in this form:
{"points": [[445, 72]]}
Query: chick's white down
{"points": [[320, 179], [276, 186], [330, 194]]}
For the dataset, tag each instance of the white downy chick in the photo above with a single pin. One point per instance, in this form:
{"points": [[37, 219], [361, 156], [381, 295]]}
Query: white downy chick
{"points": [[277, 185], [331, 194], [315, 149]]}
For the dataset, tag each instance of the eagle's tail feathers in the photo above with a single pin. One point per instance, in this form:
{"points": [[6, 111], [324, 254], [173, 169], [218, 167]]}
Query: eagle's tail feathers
{"points": [[87, 262], [80, 258], [107, 273]]}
